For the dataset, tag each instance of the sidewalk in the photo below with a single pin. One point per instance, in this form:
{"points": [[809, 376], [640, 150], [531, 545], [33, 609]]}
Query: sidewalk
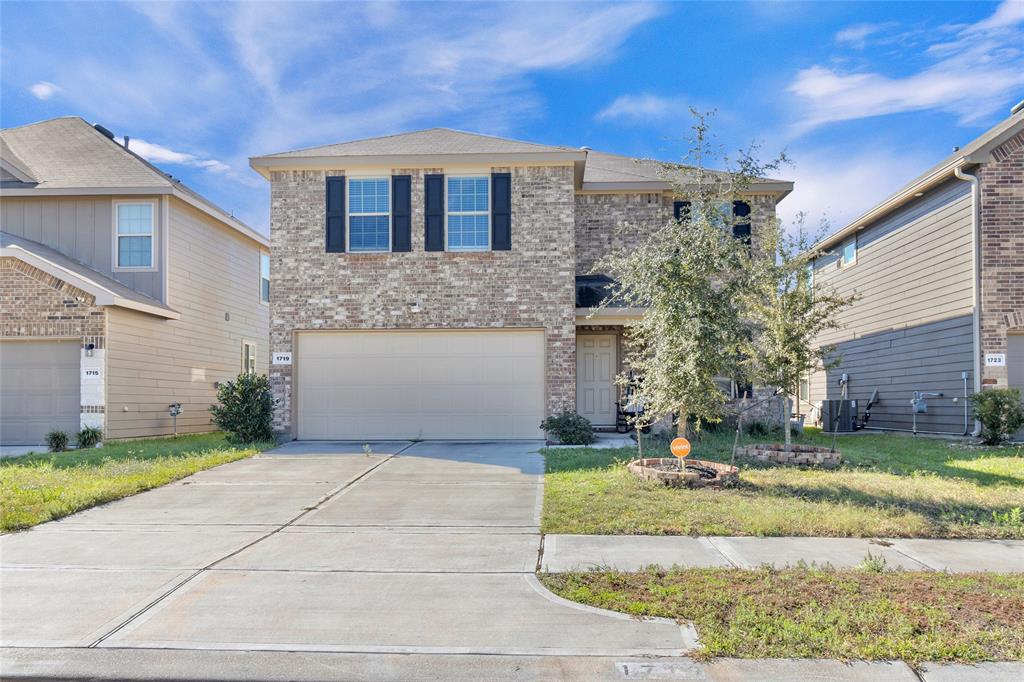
{"points": [[564, 553]]}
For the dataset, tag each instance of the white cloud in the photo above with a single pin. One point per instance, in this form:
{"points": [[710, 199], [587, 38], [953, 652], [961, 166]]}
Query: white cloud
{"points": [[158, 154], [641, 107], [975, 74], [43, 90], [857, 34], [836, 186]]}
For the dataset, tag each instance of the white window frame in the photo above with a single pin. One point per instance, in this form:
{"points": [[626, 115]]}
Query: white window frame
{"points": [[152, 267], [349, 214], [842, 252], [490, 200], [264, 301], [248, 354]]}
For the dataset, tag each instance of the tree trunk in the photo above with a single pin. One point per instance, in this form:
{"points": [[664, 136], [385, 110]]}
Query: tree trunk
{"points": [[683, 423], [785, 420]]}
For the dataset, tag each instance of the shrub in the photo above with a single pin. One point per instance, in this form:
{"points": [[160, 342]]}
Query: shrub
{"points": [[57, 441], [570, 428], [89, 437], [245, 409], [1000, 412]]}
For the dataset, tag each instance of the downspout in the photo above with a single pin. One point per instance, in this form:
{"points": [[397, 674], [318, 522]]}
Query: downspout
{"points": [[975, 275]]}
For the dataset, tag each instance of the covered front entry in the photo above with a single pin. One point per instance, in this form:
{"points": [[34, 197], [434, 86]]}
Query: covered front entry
{"points": [[39, 390], [1015, 366], [419, 384], [596, 366]]}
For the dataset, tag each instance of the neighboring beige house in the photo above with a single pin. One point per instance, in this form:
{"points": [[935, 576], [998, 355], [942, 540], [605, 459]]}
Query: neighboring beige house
{"points": [[438, 284], [939, 269], [121, 290]]}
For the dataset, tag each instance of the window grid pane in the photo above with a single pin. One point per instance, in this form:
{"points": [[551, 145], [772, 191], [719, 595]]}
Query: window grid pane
{"points": [[467, 194], [467, 231], [368, 196], [135, 219], [368, 233], [134, 252]]}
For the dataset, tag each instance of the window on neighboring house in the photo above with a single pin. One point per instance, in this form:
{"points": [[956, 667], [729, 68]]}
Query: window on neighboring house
{"points": [[248, 357], [469, 213], [849, 253], [369, 214], [805, 389], [264, 277], [134, 233]]}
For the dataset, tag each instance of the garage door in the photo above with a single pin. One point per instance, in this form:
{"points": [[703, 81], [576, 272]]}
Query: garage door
{"points": [[39, 390], [420, 384]]}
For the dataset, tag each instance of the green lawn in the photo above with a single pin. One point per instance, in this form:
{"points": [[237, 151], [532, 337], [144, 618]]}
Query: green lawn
{"points": [[42, 487], [816, 613], [890, 486]]}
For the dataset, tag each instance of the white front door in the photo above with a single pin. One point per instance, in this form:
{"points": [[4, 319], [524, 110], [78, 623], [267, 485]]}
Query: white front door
{"points": [[596, 362]]}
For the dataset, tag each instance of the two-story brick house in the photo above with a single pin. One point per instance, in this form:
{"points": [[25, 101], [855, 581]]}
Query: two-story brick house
{"points": [[439, 284], [122, 291]]}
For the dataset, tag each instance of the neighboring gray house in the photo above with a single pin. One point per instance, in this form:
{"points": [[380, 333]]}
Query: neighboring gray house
{"points": [[438, 284], [121, 290], [939, 270]]}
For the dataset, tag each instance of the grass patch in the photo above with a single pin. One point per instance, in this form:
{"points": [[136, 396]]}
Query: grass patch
{"points": [[889, 486], [42, 487], [817, 613]]}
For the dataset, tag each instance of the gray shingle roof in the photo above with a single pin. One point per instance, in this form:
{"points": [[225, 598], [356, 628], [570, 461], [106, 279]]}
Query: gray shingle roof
{"points": [[430, 141], [68, 153], [79, 269]]}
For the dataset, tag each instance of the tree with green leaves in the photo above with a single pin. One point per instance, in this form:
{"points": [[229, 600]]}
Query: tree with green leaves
{"points": [[689, 275], [787, 314]]}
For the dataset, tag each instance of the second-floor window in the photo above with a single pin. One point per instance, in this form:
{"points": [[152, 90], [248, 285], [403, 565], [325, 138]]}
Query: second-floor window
{"points": [[849, 254], [264, 277], [469, 213], [134, 235], [369, 214]]}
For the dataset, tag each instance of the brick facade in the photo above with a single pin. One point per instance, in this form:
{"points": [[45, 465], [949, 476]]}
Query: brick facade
{"points": [[37, 305], [1002, 252], [530, 286]]}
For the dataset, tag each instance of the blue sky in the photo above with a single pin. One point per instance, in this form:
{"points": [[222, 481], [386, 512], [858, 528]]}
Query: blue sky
{"points": [[862, 96]]}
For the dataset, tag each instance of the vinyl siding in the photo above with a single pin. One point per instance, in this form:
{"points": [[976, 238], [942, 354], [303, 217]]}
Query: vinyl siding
{"points": [[910, 328], [151, 362], [82, 228]]}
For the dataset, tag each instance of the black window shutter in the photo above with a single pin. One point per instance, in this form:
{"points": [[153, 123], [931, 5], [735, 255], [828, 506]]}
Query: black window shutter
{"points": [[680, 209], [501, 211], [335, 213], [741, 209], [433, 213], [401, 213]]}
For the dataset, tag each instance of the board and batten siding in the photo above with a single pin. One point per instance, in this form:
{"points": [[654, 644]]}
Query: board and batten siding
{"points": [[910, 328], [214, 272], [83, 228]]}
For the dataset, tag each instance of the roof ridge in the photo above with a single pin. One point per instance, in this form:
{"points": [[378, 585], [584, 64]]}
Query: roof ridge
{"points": [[44, 121]]}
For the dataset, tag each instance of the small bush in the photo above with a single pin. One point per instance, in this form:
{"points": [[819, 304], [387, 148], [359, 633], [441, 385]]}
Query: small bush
{"points": [[570, 429], [759, 429], [1000, 412], [57, 441], [245, 409], [90, 437]]}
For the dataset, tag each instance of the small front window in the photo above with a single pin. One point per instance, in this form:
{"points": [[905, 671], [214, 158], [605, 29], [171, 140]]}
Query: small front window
{"points": [[469, 213], [265, 278], [134, 235], [248, 357], [369, 214], [850, 252]]}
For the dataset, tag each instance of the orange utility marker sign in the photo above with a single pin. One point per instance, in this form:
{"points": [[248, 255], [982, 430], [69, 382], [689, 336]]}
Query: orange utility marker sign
{"points": [[680, 448]]}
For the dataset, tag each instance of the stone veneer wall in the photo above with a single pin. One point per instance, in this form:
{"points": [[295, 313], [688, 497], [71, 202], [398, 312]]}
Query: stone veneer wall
{"points": [[35, 304], [1002, 252], [612, 221], [530, 286]]}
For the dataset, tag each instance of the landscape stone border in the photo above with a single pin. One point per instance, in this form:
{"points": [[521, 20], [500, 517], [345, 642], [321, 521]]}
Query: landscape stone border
{"points": [[794, 455], [648, 468]]}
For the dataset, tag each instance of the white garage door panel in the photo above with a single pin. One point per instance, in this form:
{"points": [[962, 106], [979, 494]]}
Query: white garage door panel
{"points": [[417, 384], [39, 389]]}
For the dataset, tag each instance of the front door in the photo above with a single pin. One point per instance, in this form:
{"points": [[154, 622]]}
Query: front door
{"points": [[596, 362]]}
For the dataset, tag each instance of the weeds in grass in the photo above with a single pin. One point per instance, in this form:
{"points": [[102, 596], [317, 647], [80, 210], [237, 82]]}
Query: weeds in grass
{"points": [[874, 563]]}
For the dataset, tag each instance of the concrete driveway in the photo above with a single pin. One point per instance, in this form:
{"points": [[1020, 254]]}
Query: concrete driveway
{"points": [[421, 548]]}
